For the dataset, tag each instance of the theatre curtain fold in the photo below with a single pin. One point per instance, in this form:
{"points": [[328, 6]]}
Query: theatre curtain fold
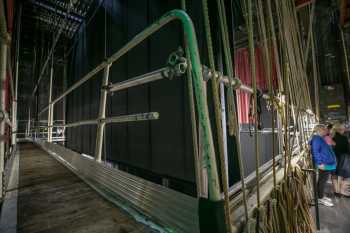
{"points": [[243, 72]]}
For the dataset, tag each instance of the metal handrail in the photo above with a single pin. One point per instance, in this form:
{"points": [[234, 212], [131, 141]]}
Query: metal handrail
{"points": [[208, 152], [116, 119], [168, 17], [138, 80]]}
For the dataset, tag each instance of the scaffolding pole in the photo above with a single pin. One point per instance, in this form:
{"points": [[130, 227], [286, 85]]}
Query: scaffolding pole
{"points": [[15, 94], [101, 115], [50, 112]]}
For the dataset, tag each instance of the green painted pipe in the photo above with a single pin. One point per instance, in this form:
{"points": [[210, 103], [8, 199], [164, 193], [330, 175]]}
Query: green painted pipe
{"points": [[202, 107]]}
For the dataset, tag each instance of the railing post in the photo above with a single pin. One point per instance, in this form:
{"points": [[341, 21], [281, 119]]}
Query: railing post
{"points": [[208, 158], [14, 110], [102, 115], [50, 110], [28, 125]]}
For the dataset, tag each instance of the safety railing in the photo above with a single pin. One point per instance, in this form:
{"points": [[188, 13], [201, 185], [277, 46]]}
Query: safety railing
{"points": [[39, 130], [176, 68]]}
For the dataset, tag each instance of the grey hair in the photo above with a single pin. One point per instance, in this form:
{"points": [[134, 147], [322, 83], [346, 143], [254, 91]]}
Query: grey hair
{"points": [[337, 127], [318, 128]]}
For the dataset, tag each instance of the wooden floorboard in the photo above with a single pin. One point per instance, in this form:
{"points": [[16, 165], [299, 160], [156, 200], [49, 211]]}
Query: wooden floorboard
{"points": [[53, 199]]}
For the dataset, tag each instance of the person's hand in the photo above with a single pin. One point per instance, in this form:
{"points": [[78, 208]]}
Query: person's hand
{"points": [[321, 166]]}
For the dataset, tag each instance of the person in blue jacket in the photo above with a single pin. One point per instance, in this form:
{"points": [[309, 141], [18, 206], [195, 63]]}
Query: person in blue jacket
{"points": [[324, 160]]}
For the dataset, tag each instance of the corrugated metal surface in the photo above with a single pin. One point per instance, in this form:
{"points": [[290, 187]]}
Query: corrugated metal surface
{"points": [[164, 206]]}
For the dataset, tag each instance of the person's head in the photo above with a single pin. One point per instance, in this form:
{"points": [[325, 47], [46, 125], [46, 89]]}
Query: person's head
{"points": [[329, 128], [321, 130], [339, 128]]}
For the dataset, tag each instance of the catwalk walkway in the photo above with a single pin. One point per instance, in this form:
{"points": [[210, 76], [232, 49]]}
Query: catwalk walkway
{"points": [[52, 199], [335, 219]]}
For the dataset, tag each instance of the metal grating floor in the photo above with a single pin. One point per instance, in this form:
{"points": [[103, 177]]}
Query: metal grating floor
{"points": [[53, 199]]}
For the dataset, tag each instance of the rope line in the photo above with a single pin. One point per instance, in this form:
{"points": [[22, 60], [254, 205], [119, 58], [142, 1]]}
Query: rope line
{"points": [[217, 109]]}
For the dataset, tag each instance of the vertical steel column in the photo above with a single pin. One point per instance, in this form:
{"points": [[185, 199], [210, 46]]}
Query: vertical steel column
{"points": [[102, 114], [317, 211], [50, 113], [223, 111], [3, 57], [14, 107], [51, 108], [30, 123], [224, 130], [26, 132], [14, 95], [279, 134]]}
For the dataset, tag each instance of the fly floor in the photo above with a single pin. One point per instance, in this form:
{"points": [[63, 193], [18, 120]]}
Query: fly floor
{"points": [[53, 199], [335, 219]]}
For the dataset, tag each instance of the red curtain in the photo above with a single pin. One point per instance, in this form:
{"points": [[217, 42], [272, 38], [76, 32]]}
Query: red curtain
{"points": [[243, 72], [10, 5]]}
